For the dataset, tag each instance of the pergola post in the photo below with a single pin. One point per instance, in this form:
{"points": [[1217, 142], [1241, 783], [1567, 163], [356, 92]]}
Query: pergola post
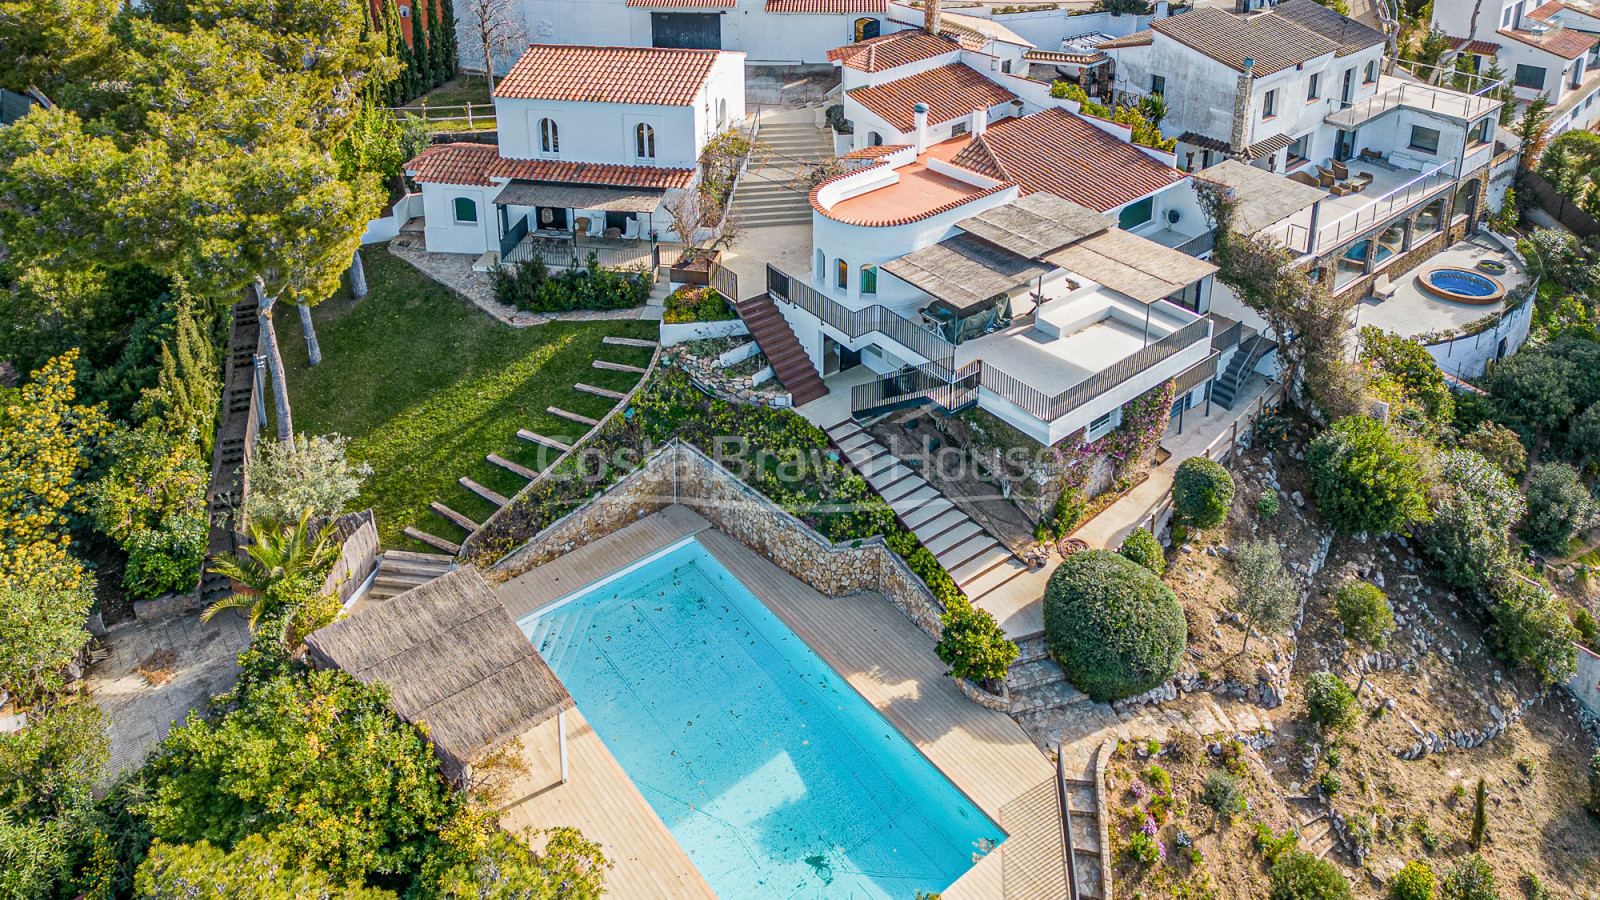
{"points": [[561, 729]]}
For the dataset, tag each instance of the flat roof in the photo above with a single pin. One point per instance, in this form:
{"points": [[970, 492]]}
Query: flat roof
{"points": [[964, 270], [1034, 225], [920, 192], [1262, 198], [1132, 265]]}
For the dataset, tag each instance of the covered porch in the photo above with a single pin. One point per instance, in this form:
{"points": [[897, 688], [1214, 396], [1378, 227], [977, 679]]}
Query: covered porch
{"points": [[562, 223]]}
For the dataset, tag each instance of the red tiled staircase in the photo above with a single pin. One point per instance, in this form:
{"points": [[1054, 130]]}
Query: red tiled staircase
{"points": [[787, 358]]}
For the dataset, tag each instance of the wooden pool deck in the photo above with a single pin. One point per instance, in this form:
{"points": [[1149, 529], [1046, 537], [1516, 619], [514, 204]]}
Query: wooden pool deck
{"points": [[883, 655]]}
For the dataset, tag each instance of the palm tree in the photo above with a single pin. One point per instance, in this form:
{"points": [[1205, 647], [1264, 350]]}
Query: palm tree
{"points": [[1154, 108], [277, 555]]}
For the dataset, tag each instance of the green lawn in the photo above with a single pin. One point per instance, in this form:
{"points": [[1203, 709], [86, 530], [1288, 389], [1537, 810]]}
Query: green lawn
{"points": [[425, 385], [458, 91]]}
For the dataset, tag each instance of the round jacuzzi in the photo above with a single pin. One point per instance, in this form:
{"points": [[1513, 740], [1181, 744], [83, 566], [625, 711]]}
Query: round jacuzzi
{"points": [[1463, 286]]}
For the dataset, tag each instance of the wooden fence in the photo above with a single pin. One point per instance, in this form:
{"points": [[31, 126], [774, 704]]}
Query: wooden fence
{"points": [[1560, 208], [467, 117]]}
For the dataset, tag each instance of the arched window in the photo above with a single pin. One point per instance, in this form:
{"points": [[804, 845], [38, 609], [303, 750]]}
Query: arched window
{"points": [[820, 266], [644, 141], [866, 29], [549, 136], [874, 139], [722, 113], [841, 278], [466, 210], [1372, 72], [869, 279]]}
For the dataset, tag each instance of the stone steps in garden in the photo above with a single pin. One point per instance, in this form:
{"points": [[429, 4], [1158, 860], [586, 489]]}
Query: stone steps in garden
{"points": [[537, 438], [1049, 695], [599, 391], [628, 342]]}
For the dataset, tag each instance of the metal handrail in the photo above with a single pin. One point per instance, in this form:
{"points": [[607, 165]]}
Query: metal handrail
{"points": [[1358, 220], [854, 323], [724, 282]]}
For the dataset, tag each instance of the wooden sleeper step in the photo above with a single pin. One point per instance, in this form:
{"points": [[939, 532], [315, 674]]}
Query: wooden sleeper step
{"points": [[627, 342], [420, 535], [598, 391], [619, 367], [491, 496], [450, 514], [572, 416], [537, 438], [510, 466]]}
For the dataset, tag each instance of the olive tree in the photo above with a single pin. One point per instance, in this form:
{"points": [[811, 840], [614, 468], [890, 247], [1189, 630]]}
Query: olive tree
{"points": [[1266, 594]]}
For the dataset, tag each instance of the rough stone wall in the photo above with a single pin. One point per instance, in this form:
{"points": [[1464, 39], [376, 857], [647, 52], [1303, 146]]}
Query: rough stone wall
{"points": [[680, 473], [646, 490], [1585, 682]]}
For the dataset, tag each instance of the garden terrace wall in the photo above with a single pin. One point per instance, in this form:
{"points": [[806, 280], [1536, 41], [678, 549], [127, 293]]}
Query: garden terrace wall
{"points": [[357, 537], [680, 473]]}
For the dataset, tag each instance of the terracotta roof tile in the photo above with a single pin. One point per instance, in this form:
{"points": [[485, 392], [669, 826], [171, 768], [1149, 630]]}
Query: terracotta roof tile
{"points": [[890, 50], [590, 173], [1350, 35], [1484, 48], [1564, 42], [683, 4], [649, 75], [1057, 152], [941, 193], [977, 157], [1555, 6], [874, 152], [950, 91], [454, 164], [1067, 58], [1137, 39], [1274, 43], [827, 6]]}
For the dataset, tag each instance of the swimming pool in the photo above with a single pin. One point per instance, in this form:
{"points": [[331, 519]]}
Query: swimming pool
{"points": [[770, 771]]}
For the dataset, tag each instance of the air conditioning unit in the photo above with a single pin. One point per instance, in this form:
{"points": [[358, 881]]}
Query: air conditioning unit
{"points": [[1173, 216]]}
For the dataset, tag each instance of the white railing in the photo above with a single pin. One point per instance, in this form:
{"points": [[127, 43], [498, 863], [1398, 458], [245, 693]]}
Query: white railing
{"points": [[1381, 208]]}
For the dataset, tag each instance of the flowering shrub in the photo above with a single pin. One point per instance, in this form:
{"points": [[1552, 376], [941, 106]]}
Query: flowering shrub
{"points": [[694, 303], [1143, 849]]}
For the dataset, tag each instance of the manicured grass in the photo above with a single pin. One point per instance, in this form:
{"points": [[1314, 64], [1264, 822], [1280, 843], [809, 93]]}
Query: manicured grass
{"points": [[458, 91], [426, 385]]}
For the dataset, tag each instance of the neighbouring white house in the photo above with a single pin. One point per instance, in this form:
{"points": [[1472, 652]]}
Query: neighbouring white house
{"points": [[1551, 50], [594, 142], [769, 32], [1257, 87]]}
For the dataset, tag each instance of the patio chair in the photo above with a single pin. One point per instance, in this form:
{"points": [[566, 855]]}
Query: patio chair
{"points": [[1373, 155], [1383, 287], [580, 226], [631, 232], [1325, 178], [1305, 178], [1340, 189], [1340, 170]]}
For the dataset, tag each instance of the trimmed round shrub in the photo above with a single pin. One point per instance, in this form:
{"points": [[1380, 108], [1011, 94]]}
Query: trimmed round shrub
{"points": [[1202, 492], [1368, 478], [1558, 506], [1414, 882], [1329, 700], [1142, 547], [1114, 627], [1297, 875]]}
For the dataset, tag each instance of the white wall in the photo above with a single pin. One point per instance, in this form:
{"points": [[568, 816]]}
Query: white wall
{"points": [[767, 37], [1467, 357], [443, 234]]}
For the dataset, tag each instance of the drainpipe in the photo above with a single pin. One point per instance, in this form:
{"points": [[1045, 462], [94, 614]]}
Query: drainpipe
{"points": [[919, 120], [1241, 109]]}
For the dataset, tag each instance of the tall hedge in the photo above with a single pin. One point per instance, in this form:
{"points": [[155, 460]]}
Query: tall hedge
{"points": [[1114, 627]]}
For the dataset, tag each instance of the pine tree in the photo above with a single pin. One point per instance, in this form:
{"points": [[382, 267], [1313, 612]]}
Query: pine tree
{"points": [[187, 388], [1480, 815]]}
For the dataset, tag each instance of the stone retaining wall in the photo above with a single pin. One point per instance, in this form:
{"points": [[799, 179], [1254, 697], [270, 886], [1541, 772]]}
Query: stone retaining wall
{"points": [[680, 473]]}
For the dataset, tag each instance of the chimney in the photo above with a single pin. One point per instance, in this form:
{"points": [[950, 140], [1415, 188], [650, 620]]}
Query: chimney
{"points": [[1241, 108], [931, 19], [980, 121], [919, 120]]}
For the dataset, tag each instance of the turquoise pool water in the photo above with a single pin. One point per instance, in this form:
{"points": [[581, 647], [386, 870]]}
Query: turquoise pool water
{"points": [[770, 771]]}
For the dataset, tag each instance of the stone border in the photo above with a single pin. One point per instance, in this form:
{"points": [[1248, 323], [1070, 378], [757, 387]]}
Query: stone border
{"points": [[975, 692], [742, 513], [1102, 760]]}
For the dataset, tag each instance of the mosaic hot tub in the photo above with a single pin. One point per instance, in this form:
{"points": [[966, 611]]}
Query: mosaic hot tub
{"points": [[1462, 286]]}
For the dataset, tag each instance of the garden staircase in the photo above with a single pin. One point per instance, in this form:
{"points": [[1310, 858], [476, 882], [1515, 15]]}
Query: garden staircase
{"points": [[978, 563], [773, 191], [1311, 820], [401, 570], [1251, 350], [1037, 685], [783, 351], [1082, 811], [234, 434]]}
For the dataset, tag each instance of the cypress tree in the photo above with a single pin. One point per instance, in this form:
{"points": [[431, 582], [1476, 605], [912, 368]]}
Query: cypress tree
{"points": [[447, 22], [1480, 815], [437, 43], [424, 48], [187, 388]]}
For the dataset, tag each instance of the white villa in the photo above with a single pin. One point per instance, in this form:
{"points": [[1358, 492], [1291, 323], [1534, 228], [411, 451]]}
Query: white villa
{"points": [[593, 143], [1553, 50]]}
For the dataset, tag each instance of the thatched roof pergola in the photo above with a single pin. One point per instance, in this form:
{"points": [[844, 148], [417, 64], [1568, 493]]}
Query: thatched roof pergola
{"points": [[453, 659]]}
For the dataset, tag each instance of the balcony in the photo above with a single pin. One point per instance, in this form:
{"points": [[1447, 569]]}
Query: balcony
{"points": [[1339, 220], [1394, 93]]}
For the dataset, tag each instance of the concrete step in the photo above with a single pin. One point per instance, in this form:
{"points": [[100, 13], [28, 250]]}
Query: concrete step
{"points": [[958, 544], [926, 513], [977, 564], [942, 524], [976, 588], [388, 566]]}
